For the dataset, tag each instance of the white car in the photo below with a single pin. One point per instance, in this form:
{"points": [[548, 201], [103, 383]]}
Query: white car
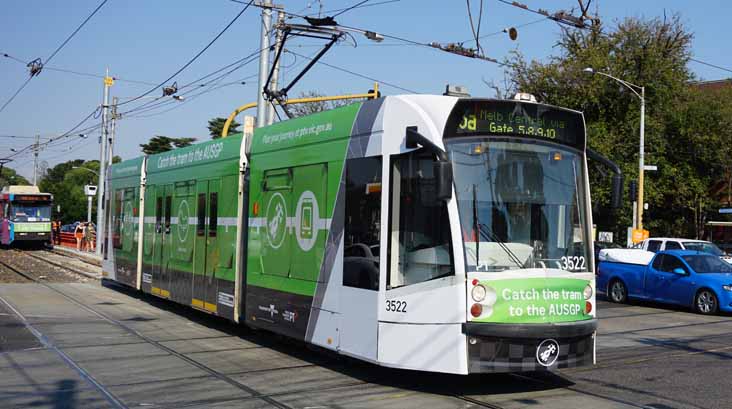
{"points": [[657, 244]]}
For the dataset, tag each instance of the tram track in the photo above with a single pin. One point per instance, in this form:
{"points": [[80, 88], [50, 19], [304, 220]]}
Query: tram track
{"points": [[271, 397], [254, 394]]}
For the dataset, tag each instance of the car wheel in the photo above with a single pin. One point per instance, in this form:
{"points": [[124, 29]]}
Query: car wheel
{"points": [[706, 302], [618, 292]]}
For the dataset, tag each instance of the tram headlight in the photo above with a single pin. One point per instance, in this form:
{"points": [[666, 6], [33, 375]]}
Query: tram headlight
{"points": [[588, 292], [478, 293]]}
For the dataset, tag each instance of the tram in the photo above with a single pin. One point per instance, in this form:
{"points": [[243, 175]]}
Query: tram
{"points": [[25, 215], [421, 232]]}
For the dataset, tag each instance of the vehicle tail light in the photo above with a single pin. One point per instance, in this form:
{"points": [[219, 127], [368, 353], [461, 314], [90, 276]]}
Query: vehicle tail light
{"points": [[476, 310], [588, 307]]}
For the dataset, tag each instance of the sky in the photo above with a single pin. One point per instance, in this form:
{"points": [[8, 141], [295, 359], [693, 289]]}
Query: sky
{"points": [[144, 42]]}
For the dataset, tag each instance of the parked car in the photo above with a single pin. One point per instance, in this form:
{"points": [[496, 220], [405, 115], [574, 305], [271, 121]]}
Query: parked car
{"points": [[601, 245], [662, 243], [699, 280], [69, 228]]}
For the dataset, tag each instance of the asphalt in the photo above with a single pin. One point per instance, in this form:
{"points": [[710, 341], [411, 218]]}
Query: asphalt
{"points": [[103, 347]]}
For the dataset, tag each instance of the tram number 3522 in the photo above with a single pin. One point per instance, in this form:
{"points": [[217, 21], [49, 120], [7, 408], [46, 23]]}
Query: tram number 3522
{"points": [[396, 306]]}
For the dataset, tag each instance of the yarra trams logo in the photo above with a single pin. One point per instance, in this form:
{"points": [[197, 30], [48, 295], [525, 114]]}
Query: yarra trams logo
{"points": [[547, 352]]}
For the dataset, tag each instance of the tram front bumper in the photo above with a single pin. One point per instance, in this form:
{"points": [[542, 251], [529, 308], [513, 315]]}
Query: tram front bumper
{"points": [[529, 347]]}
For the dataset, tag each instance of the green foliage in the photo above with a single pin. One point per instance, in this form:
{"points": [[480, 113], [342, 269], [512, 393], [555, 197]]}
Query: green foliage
{"points": [[216, 127], [66, 182], [686, 131], [9, 176], [159, 143]]}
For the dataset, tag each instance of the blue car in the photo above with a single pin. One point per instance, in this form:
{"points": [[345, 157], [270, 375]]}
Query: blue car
{"points": [[699, 280]]}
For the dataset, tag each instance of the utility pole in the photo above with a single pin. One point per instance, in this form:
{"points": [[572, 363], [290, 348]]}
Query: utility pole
{"points": [[112, 132], [108, 81], [641, 159], [279, 35], [262, 108], [36, 148]]}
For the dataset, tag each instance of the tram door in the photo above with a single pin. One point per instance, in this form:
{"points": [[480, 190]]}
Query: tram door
{"points": [[205, 283], [361, 249], [161, 251]]}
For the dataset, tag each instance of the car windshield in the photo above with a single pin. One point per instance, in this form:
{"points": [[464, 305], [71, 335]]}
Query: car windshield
{"points": [[703, 263], [31, 212], [704, 247], [521, 204]]}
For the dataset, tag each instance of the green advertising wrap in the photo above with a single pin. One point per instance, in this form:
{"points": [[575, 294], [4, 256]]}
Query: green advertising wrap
{"points": [[534, 300]]}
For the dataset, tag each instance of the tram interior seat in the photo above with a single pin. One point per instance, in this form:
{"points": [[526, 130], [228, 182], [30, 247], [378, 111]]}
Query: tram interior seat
{"points": [[360, 267]]}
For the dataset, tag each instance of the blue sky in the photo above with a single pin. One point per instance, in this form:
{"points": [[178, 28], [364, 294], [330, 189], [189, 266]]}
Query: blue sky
{"points": [[149, 40]]}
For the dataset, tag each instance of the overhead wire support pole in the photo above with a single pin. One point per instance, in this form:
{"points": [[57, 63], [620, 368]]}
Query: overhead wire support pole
{"points": [[36, 148], [279, 44], [112, 132], [108, 81], [262, 107]]}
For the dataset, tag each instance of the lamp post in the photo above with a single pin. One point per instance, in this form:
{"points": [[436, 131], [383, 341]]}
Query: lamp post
{"points": [[641, 164]]}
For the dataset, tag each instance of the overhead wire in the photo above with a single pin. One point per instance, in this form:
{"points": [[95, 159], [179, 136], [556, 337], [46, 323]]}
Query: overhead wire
{"points": [[80, 73], [52, 55], [156, 103], [357, 74], [349, 8], [83, 23], [186, 65], [547, 16]]}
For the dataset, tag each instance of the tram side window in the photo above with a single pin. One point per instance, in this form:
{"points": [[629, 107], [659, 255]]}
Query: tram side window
{"points": [[201, 213], [117, 220], [213, 214], [362, 223], [168, 207], [158, 214], [420, 247]]}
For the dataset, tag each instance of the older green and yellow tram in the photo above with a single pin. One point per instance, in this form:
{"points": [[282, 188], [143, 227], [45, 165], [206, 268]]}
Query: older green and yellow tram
{"points": [[419, 232], [25, 215]]}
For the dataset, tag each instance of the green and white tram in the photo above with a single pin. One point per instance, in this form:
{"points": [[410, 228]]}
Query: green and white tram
{"points": [[421, 232]]}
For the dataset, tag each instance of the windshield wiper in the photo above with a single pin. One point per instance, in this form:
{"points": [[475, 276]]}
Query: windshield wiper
{"points": [[483, 231], [491, 236]]}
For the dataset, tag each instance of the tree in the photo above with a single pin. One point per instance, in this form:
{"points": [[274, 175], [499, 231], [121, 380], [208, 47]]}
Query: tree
{"points": [[66, 182], [308, 108], [653, 53], [116, 159], [159, 143], [9, 176], [216, 127]]}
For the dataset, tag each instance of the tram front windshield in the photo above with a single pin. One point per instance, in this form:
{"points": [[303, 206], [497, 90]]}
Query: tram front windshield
{"points": [[521, 204], [30, 212]]}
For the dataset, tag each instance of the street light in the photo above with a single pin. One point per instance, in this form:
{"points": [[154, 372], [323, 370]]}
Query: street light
{"points": [[641, 166]]}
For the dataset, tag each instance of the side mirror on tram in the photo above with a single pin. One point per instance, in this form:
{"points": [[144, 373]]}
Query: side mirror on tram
{"points": [[443, 179], [442, 167]]}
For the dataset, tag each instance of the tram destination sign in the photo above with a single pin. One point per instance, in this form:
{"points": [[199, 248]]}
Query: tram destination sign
{"points": [[516, 118]]}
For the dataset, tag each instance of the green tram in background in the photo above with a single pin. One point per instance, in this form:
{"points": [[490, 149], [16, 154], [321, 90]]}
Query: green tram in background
{"points": [[421, 232], [25, 215]]}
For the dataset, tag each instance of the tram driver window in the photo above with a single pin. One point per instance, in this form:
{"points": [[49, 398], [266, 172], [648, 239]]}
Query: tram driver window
{"points": [[419, 244], [362, 223]]}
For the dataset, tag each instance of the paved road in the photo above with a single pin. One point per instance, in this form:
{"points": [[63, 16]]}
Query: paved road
{"points": [[106, 348]]}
